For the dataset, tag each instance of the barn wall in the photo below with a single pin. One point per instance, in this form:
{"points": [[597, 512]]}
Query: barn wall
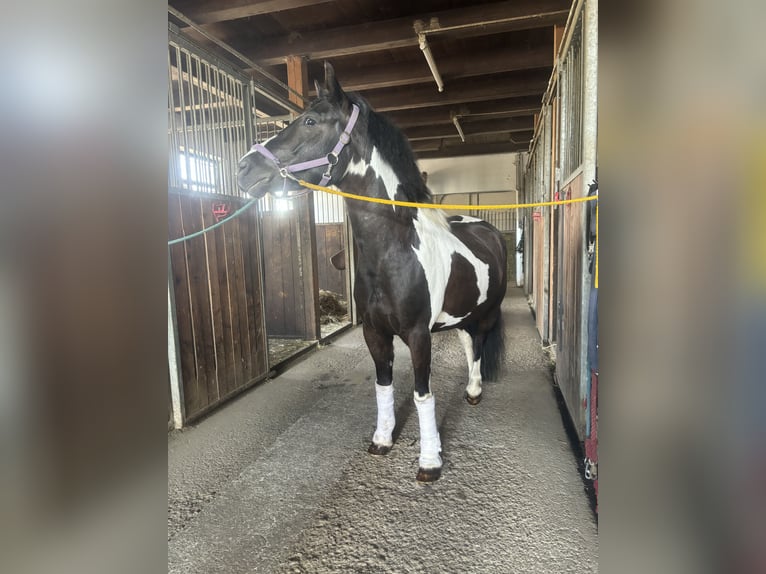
{"points": [[561, 166], [471, 173], [476, 181]]}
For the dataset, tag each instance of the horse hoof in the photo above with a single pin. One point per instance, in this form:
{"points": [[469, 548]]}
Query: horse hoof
{"points": [[473, 400], [378, 449], [428, 474]]}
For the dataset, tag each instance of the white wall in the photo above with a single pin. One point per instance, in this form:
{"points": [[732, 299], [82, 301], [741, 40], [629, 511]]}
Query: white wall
{"points": [[471, 174]]}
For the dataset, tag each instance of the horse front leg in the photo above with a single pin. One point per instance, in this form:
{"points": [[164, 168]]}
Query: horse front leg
{"points": [[430, 462], [381, 348]]}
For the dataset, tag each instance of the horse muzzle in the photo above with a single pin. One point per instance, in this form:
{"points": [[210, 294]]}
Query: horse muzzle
{"points": [[254, 180]]}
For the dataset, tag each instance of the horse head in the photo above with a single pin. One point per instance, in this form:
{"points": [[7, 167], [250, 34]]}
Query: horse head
{"points": [[312, 148]]}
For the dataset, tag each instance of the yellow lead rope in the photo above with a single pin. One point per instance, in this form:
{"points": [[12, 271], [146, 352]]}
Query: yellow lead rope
{"points": [[462, 207], [439, 205]]}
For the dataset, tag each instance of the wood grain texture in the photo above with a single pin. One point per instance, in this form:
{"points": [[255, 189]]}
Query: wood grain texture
{"points": [[217, 290]]}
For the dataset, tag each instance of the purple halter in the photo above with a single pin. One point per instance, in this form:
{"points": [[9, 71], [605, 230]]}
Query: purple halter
{"points": [[330, 160]]}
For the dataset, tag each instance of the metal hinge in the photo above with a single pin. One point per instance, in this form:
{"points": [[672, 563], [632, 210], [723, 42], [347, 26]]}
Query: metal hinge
{"points": [[591, 469]]}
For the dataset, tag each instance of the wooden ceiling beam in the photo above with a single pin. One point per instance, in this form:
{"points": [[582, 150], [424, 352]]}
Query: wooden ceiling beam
{"points": [[417, 72], [399, 32], [211, 12], [471, 128], [509, 107], [425, 96]]}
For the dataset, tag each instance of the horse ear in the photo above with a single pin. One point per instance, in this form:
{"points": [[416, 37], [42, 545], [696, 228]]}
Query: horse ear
{"points": [[321, 92], [331, 88]]}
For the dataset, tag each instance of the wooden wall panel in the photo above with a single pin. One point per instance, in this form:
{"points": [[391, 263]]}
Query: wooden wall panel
{"points": [[284, 285], [218, 308]]}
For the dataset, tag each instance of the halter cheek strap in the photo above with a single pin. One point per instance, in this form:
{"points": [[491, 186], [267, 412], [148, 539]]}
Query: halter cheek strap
{"points": [[330, 160]]}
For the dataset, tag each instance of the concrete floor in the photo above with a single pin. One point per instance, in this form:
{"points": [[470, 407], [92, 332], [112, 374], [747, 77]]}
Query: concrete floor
{"points": [[280, 480]]}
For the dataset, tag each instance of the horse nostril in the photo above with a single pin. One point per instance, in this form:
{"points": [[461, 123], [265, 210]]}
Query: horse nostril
{"points": [[244, 166]]}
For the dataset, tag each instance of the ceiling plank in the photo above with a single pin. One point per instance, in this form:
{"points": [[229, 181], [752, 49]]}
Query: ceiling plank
{"points": [[417, 72], [470, 128], [399, 32], [424, 96], [508, 107], [207, 12]]}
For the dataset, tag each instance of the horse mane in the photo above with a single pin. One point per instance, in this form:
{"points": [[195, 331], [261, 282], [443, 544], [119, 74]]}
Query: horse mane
{"points": [[394, 147]]}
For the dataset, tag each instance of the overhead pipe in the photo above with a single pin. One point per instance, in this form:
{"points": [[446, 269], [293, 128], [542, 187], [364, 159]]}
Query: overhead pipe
{"points": [[456, 121], [426, 49]]}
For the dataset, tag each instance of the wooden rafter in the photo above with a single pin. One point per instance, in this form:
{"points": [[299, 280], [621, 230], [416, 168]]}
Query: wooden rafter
{"points": [[206, 12], [424, 96], [470, 149], [471, 128], [399, 32], [506, 107], [417, 72]]}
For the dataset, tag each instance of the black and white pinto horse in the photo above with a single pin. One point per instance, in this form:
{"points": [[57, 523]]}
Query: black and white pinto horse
{"points": [[417, 272]]}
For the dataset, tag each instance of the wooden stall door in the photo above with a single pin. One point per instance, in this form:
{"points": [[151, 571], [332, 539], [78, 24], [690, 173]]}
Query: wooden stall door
{"points": [[218, 305]]}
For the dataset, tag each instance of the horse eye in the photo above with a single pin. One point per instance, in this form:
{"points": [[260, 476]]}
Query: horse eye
{"points": [[309, 122]]}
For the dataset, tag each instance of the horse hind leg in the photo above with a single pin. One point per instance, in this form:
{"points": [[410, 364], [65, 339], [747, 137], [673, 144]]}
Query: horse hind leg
{"points": [[381, 348], [472, 346]]}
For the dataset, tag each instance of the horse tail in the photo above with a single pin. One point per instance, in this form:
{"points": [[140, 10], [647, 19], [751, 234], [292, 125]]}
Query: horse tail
{"points": [[493, 350]]}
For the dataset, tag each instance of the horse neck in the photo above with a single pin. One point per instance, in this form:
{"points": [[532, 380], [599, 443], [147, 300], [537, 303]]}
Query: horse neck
{"points": [[380, 226]]}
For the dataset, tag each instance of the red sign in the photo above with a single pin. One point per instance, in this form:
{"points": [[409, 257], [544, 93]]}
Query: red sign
{"points": [[221, 210]]}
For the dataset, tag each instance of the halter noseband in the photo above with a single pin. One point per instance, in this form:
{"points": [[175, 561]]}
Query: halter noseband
{"points": [[330, 160]]}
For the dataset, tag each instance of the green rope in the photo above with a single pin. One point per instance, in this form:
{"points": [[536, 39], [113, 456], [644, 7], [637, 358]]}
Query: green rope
{"points": [[203, 231]]}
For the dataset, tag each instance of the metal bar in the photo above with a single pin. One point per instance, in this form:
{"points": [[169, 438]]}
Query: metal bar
{"points": [[215, 121], [173, 151], [174, 365], [249, 115], [192, 114], [182, 98], [221, 142], [225, 162], [239, 55], [204, 137], [242, 142], [238, 127]]}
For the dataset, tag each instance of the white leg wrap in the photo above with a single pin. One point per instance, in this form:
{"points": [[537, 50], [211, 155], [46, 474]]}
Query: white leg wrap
{"points": [[474, 380], [430, 445], [386, 419]]}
